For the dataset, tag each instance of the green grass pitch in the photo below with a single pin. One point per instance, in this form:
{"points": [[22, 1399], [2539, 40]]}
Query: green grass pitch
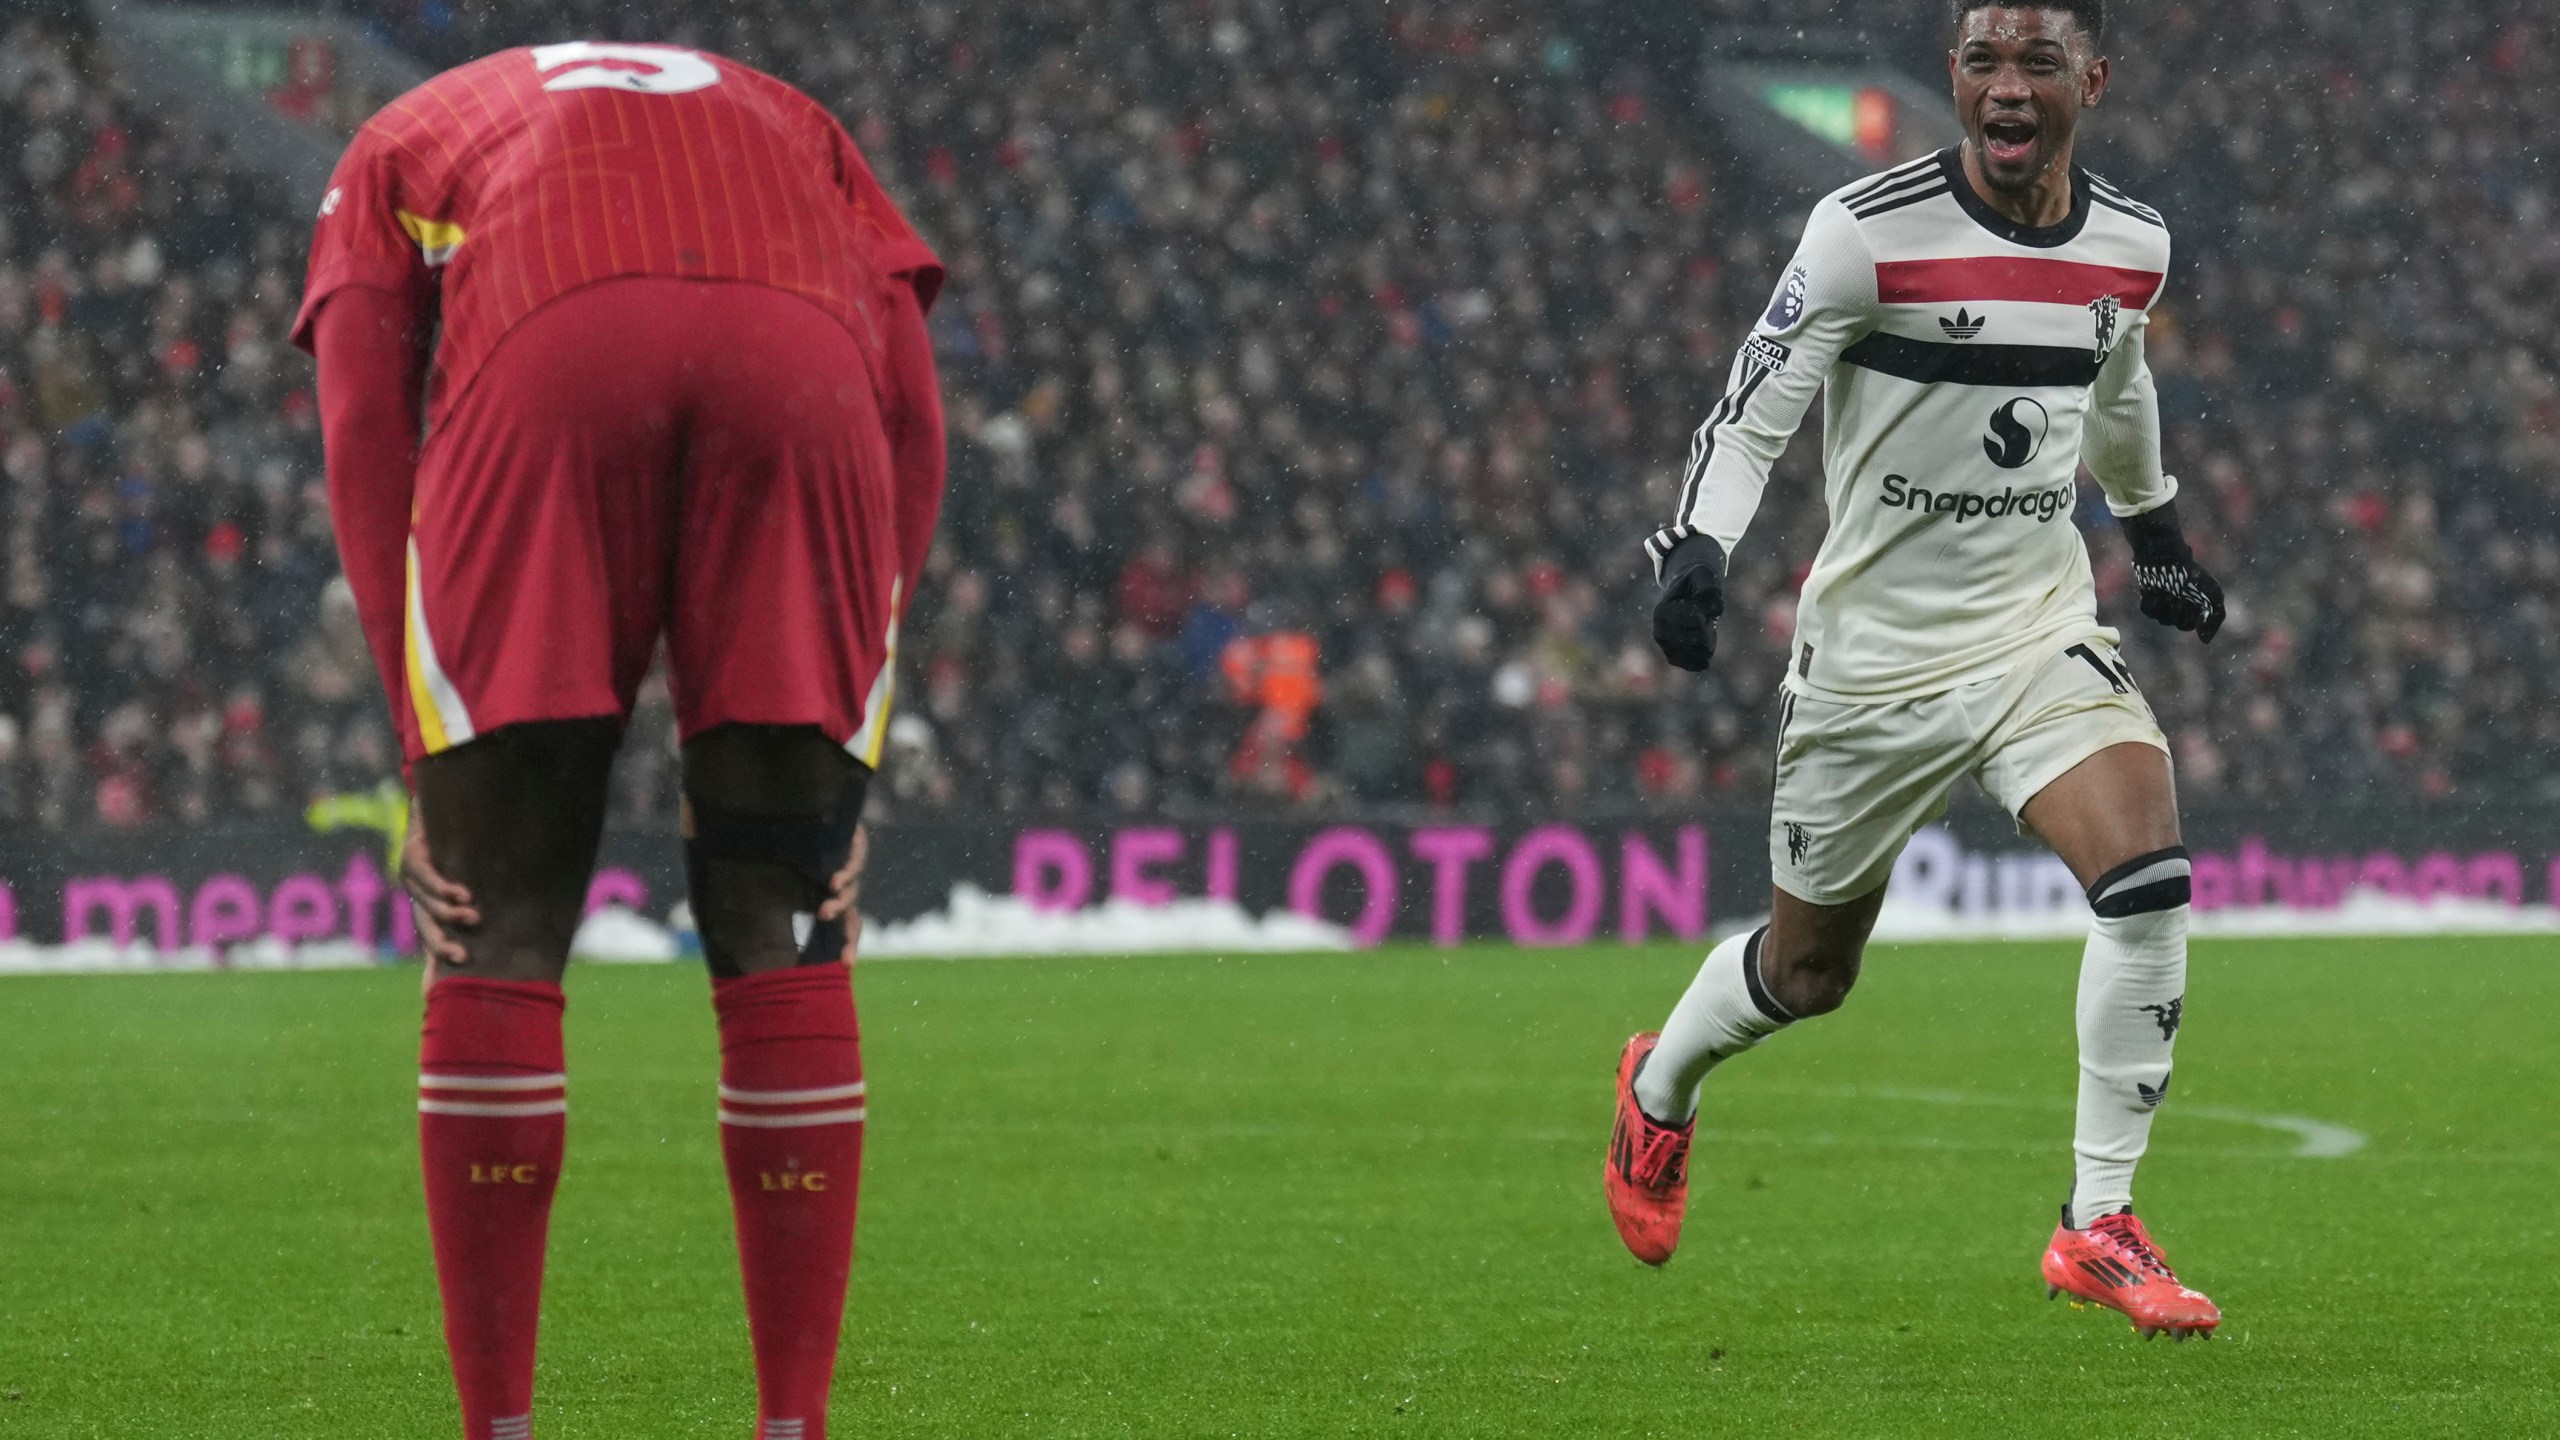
{"points": [[1337, 1196]]}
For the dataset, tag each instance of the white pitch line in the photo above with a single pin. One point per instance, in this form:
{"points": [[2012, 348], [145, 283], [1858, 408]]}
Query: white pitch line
{"points": [[2320, 1139], [2316, 1139]]}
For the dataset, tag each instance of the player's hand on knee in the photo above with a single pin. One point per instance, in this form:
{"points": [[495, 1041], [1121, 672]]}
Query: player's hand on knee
{"points": [[443, 907], [1684, 619], [2176, 591], [844, 892]]}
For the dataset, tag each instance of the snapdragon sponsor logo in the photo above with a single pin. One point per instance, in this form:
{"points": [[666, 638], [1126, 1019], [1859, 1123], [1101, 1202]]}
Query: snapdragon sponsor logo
{"points": [[2037, 505]]}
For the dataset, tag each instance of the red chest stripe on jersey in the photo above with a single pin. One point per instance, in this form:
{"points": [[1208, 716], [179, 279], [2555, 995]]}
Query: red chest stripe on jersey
{"points": [[2011, 277]]}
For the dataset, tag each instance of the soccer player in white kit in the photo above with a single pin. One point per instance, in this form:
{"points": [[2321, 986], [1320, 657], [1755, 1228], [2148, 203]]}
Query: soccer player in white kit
{"points": [[1976, 319]]}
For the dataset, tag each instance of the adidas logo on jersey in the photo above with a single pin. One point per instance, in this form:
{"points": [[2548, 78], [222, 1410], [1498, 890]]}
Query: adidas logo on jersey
{"points": [[1964, 326]]}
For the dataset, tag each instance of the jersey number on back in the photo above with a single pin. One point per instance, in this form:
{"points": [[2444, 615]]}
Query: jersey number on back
{"points": [[640, 69]]}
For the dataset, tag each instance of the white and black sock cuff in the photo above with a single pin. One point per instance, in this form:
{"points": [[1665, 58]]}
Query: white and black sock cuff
{"points": [[1776, 1014], [2161, 880]]}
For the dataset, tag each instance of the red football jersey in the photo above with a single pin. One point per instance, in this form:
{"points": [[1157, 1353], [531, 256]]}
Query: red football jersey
{"points": [[499, 186]]}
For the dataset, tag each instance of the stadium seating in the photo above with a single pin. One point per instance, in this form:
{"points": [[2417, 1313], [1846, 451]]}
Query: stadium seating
{"points": [[1361, 343]]}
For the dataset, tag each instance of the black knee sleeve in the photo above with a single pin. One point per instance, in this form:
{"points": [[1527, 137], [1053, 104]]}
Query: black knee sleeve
{"points": [[2161, 880], [809, 849]]}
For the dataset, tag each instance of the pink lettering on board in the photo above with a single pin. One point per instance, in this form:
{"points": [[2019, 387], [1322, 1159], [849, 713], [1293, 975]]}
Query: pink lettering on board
{"points": [[8, 913], [2323, 884], [2259, 871], [225, 910], [1363, 851], [1450, 849], [123, 901], [363, 888], [1052, 871], [2385, 872], [2211, 883], [617, 886], [1222, 865], [2259, 877], [1544, 846], [2495, 875], [1133, 853], [1646, 889], [2438, 874], [303, 909]]}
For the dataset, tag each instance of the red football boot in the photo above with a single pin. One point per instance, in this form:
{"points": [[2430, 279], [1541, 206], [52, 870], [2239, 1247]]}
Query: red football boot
{"points": [[2113, 1263], [1647, 1175]]}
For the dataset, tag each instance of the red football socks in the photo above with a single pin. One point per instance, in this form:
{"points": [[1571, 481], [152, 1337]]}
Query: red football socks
{"points": [[791, 1108], [492, 1113], [492, 1101]]}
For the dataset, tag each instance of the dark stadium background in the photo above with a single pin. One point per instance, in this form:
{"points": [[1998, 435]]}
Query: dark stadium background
{"points": [[1352, 344]]}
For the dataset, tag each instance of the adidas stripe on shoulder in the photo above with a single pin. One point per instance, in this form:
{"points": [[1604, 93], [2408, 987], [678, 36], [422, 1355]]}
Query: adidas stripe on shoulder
{"points": [[1904, 185], [1899, 199], [2115, 199], [1876, 184]]}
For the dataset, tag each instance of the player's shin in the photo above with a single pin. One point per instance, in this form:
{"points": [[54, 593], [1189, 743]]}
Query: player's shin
{"points": [[492, 1106], [791, 1112], [2133, 982], [1726, 1011]]}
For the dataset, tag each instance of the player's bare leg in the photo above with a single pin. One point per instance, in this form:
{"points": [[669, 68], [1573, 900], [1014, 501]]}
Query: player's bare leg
{"points": [[1811, 958], [514, 817], [771, 817], [2113, 819], [1802, 963]]}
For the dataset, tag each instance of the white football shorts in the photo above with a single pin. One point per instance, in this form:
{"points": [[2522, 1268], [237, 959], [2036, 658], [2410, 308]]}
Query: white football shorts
{"points": [[1856, 781]]}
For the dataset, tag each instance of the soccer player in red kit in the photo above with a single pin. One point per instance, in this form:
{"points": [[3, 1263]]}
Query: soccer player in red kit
{"points": [[663, 336]]}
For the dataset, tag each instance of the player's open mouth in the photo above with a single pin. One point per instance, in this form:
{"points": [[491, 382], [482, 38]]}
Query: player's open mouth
{"points": [[2009, 140]]}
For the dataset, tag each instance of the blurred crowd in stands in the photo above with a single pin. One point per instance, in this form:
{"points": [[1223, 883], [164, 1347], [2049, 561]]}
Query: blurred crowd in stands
{"points": [[1314, 370]]}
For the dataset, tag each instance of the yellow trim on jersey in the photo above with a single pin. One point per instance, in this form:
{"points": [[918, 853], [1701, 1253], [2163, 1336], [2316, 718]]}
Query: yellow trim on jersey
{"points": [[873, 737], [437, 239]]}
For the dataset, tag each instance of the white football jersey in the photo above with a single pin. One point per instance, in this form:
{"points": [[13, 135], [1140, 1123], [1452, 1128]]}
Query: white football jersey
{"points": [[1971, 364]]}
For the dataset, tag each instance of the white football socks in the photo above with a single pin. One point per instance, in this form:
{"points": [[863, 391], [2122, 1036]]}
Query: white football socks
{"points": [[2133, 984], [1725, 1012]]}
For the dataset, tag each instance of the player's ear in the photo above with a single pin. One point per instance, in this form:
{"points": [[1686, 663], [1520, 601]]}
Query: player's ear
{"points": [[2093, 83]]}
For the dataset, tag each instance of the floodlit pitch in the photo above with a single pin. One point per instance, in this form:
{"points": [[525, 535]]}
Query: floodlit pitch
{"points": [[1339, 1195]]}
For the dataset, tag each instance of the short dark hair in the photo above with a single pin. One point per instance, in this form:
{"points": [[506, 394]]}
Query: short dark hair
{"points": [[2092, 14]]}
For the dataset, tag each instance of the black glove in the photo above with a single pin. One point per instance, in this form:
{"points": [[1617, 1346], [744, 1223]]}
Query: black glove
{"points": [[1684, 619], [2175, 589]]}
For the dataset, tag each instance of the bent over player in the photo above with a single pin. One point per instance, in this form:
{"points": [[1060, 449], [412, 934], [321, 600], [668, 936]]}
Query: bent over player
{"points": [[1976, 319], [678, 388]]}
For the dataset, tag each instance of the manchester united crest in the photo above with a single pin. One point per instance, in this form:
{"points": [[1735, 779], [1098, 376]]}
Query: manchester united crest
{"points": [[2106, 308]]}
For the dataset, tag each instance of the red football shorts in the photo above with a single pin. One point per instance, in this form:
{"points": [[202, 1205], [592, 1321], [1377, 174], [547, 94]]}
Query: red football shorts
{"points": [[645, 457]]}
